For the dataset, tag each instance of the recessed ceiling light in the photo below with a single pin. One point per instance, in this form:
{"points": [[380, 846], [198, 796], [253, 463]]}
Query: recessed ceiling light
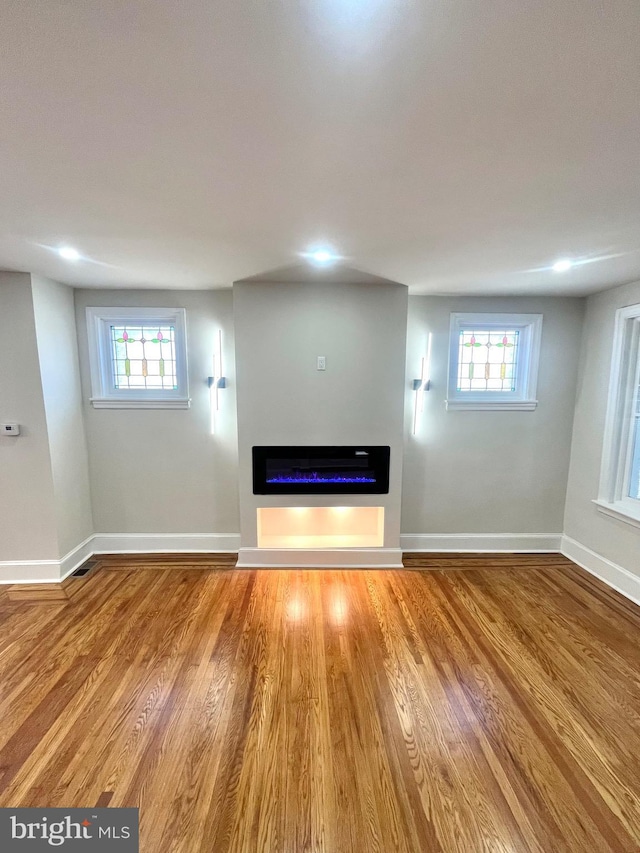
{"points": [[321, 256], [69, 254], [562, 265]]}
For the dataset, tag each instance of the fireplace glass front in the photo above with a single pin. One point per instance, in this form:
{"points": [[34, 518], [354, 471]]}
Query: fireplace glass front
{"points": [[352, 470]]}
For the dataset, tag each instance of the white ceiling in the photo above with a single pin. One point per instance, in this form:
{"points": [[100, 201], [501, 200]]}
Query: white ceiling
{"points": [[451, 145]]}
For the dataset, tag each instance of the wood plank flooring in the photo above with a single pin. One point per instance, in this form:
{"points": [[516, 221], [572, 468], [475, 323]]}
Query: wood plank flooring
{"points": [[491, 703]]}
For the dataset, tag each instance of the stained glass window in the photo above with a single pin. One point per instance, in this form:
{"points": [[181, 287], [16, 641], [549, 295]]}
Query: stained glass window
{"points": [[493, 362], [488, 359], [138, 357], [144, 357]]}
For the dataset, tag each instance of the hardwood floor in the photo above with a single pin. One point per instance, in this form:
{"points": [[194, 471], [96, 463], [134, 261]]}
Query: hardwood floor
{"points": [[490, 704]]}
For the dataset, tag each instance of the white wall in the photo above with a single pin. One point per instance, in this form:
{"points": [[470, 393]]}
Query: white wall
{"points": [[490, 472], [55, 325], [283, 399], [27, 516], [160, 471], [614, 540]]}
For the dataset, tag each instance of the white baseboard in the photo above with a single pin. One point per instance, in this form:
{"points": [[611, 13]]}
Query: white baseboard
{"points": [[45, 571], [615, 576], [30, 571], [153, 543], [511, 543], [320, 558], [75, 558], [54, 571]]}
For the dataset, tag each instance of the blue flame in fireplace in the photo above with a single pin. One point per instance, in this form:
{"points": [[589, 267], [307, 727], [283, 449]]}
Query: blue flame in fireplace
{"points": [[314, 477]]}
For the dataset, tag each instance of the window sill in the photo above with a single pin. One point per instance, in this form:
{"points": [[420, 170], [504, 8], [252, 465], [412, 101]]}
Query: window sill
{"points": [[491, 405], [619, 511], [140, 403]]}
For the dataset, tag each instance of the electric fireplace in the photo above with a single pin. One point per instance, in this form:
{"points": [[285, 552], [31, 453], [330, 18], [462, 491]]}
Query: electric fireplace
{"points": [[357, 470]]}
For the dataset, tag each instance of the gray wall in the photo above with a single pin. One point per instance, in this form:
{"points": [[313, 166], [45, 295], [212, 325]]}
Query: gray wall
{"points": [[490, 472], [615, 540], [27, 517], [55, 324], [161, 470], [463, 472], [283, 399]]}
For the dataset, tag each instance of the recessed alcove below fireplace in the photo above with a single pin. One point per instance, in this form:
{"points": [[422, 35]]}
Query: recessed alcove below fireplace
{"points": [[320, 527]]}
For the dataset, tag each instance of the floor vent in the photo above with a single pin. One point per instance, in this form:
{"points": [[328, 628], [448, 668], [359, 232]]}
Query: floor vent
{"points": [[84, 569]]}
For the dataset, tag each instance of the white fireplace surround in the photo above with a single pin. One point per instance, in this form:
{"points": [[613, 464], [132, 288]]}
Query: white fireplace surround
{"points": [[357, 400]]}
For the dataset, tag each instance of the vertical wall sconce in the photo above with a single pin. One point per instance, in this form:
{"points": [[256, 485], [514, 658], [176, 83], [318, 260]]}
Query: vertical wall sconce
{"points": [[421, 385], [217, 381]]}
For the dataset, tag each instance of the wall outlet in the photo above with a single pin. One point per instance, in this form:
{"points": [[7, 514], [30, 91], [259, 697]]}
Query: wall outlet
{"points": [[9, 429], [322, 362]]}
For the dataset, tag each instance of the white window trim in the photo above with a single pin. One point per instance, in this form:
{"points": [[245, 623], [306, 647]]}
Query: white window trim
{"points": [[104, 395], [523, 399], [613, 499]]}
